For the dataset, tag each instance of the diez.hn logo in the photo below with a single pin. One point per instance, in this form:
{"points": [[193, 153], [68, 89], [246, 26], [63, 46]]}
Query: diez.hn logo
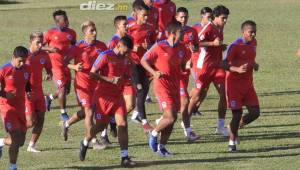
{"points": [[98, 6]]}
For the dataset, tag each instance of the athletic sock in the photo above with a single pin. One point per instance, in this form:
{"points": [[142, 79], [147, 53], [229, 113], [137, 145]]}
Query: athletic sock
{"points": [[188, 131], [62, 111], [85, 142], [13, 166], [31, 144], [67, 124], [2, 142], [221, 123], [231, 142], [124, 153], [104, 133], [154, 133], [144, 121], [51, 97]]}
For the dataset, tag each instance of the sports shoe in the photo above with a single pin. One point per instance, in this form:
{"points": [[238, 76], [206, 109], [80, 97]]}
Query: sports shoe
{"points": [[104, 140], [162, 151], [126, 162], [32, 149], [64, 131], [231, 148], [147, 128], [152, 141], [96, 145], [64, 116], [1, 147], [48, 102], [222, 131], [193, 137], [82, 151], [113, 130]]}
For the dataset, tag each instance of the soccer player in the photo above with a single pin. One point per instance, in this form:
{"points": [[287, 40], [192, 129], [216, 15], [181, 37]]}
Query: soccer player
{"points": [[208, 67], [84, 55], [165, 61], [59, 40], [240, 91], [166, 14], [110, 70], [14, 79], [35, 105], [206, 14], [144, 37]]}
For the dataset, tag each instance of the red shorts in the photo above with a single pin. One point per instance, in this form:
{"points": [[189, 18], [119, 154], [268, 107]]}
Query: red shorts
{"points": [[84, 96], [108, 106], [13, 119], [184, 82], [61, 76], [204, 77], [36, 104], [168, 102], [238, 97], [128, 90]]}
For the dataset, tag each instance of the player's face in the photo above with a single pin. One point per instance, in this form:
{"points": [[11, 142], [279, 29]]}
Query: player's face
{"points": [[221, 20], [123, 50], [123, 26], [142, 16], [249, 33], [177, 36], [149, 2], [61, 21], [37, 43], [206, 17], [182, 17], [91, 32], [18, 62]]}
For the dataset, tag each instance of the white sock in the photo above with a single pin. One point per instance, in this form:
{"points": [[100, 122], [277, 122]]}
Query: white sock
{"points": [[221, 123], [85, 142], [2, 142], [148, 97], [154, 133], [94, 140], [124, 153], [188, 131], [63, 111], [31, 144], [134, 114], [67, 124], [13, 166], [51, 97], [144, 121], [231, 142], [104, 133]]}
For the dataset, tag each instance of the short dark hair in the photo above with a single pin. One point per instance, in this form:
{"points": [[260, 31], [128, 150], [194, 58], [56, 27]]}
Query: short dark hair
{"points": [[119, 18], [59, 12], [205, 10], [182, 9], [139, 5], [220, 10], [127, 42], [20, 51], [173, 26], [248, 22]]}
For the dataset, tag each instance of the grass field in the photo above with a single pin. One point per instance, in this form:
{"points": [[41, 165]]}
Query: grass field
{"points": [[272, 142]]}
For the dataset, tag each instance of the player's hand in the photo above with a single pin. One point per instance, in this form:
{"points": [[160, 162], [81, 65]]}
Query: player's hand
{"points": [[242, 69], [158, 74], [47, 77], [217, 42], [10, 95], [255, 67], [53, 50], [115, 80], [78, 67]]}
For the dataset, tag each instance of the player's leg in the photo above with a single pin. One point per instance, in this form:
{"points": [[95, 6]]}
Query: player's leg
{"points": [[78, 116], [222, 107], [233, 129], [36, 131], [254, 113]]}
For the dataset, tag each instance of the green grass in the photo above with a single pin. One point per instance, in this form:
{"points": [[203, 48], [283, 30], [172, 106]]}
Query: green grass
{"points": [[272, 142]]}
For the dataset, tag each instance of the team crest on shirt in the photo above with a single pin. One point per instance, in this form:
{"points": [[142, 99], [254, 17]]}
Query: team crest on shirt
{"points": [[42, 61], [98, 116], [70, 37], [181, 54], [83, 101], [233, 103], [8, 125], [191, 37], [26, 76]]}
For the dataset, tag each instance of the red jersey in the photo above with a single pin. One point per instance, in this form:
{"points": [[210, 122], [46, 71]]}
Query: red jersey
{"points": [[169, 60], [198, 27], [110, 65], [190, 36], [210, 57], [166, 13], [240, 53], [140, 34], [61, 39], [14, 80], [37, 62]]}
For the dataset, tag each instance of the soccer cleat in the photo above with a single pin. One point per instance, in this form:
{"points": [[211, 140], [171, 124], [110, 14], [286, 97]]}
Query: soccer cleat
{"points": [[162, 151], [1, 147], [104, 140], [96, 145], [64, 116], [231, 148], [113, 130], [222, 131], [193, 137], [48, 102], [152, 141], [32, 149], [82, 151], [147, 127], [64, 131], [127, 162]]}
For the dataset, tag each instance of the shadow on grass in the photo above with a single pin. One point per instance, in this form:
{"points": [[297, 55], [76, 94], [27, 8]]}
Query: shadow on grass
{"points": [[7, 2], [272, 126]]}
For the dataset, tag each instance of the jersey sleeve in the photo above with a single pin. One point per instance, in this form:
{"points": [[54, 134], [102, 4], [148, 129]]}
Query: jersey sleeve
{"points": [[47, 37], [48, 65], [151, 55], [204, 34], [230, 53], [195, 40], [100, 62]]}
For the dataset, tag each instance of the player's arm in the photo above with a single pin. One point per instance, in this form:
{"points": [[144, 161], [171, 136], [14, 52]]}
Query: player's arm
{"points": [[148, 58], [73, 52], [47, 39], [229, 57]]}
